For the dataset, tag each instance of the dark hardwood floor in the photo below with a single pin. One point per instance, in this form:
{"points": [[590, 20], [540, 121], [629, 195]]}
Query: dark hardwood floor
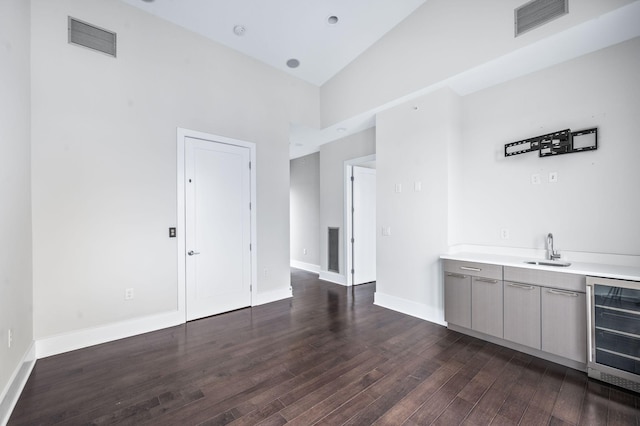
{"points": [[328, 357]]}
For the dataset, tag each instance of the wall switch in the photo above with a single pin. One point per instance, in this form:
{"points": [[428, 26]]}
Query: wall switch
{"points": [[128, 294], [9, 338], [553, 177], [535, 179], [398, 187], [504, 233], [417, 186], [386, 231], [172, 232]]}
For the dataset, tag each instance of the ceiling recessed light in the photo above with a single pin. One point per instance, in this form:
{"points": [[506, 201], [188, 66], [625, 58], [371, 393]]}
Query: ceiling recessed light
{"points": [[293, 63], [332, 20], [239, 30]]}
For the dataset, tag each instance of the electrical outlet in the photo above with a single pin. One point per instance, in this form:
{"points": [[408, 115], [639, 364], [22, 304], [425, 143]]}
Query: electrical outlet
{"points": [[265, 273], [128, 294], [304, 251], [504, 233], [553, 177], [398, 188], [9, 338], [535, 179]]}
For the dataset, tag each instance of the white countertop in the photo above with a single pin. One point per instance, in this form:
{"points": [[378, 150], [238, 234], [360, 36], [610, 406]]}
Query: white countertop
{"points": [[593, 269]]}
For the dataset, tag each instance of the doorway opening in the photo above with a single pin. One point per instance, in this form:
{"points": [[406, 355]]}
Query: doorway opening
{"points": [[360, 220]]}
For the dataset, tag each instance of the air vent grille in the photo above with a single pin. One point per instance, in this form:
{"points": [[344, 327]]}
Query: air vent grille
{"points": [[538, 12], [83, 34], [334, 253]]}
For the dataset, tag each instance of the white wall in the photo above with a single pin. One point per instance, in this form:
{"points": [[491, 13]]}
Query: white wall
{"points": [[15, 193], [595, 203], [440, 39], [332, 158], [304, 193], [104, 158], [413, 146]]}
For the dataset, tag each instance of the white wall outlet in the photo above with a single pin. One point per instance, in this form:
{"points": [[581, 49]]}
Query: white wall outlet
{"points": [[265, 273], [504, 234], [386, 231], [417, 186], [553, 177], [398, 187], [9, 338], [128, 294], [304, 251], [535, 179]]}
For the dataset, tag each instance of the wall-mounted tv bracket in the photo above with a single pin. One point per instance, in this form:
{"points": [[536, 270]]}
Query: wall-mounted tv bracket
{"points": [[562, 142]]}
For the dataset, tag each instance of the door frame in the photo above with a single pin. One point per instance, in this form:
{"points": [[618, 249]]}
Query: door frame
{"points": [[181, 211], [348, 213]]}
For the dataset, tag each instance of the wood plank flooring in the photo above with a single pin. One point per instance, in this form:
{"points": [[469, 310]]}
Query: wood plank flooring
{"points": [[327, 356]]}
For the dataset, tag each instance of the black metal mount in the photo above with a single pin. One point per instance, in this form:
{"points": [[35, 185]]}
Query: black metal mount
{"points": [[561, 142]]}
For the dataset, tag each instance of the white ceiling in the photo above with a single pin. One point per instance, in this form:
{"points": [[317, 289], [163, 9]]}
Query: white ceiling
{"points": [[279, 30]]}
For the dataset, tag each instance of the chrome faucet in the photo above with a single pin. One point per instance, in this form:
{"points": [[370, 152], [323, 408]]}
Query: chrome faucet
{"points": [[551, 253]]}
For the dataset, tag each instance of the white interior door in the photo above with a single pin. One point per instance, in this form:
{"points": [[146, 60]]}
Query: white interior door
{"points": [[218, 227], [364, 225]]}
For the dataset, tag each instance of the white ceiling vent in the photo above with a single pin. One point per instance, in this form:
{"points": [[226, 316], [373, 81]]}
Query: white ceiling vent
{"points": [[538, 12], [83, 34]]}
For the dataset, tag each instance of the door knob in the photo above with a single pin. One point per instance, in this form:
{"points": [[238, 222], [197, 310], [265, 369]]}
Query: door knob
{"points": [[191, 252]]}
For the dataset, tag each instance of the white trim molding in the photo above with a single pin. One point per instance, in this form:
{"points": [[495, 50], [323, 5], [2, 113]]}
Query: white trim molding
{"points": [[272, 296], [408, 307], [17, 381], [305, 266], [79, 339], [333, 277]]}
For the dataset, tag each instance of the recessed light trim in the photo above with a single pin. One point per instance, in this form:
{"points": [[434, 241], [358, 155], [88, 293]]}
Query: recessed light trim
{"points": [[333, 20], [239, 30], [293, 63]]}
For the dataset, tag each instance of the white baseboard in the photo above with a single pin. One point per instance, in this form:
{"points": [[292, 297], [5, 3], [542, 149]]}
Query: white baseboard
{"points": [[409, 307], [305, 266], [272, 296], [11, 393], [94, 336], [333, 277]]}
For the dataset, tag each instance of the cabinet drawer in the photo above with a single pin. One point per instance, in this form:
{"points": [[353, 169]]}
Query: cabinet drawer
{"points": [[473, 269], [564, 281]]}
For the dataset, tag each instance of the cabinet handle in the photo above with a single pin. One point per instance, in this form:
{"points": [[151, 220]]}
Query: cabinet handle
{"points": [[523, 287], [562, 293], [469, 268], [452, 275], [486, 280]]}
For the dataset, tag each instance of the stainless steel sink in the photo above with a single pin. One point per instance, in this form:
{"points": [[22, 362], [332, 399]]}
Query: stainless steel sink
{"points": [[548, 263]]}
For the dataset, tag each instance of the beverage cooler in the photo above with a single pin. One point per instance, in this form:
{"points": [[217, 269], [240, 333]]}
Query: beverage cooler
{"points": [[613, 321]]}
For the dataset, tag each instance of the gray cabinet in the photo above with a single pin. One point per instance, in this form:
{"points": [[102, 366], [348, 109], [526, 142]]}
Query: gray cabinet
{"points": [[564, 329], [522, 314], [473, 296], [457, 299], [486, 305]]}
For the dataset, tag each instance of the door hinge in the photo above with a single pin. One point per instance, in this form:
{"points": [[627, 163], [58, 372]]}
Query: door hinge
{"points": [[353, 271], [352, 179], [353, 240], [249, 206], [250, 248], [249, 165]]}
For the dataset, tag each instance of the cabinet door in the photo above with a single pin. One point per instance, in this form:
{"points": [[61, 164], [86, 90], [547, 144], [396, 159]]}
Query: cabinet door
{"points": [[486, 306], [522, 314], [457, 299], [564, 324]]}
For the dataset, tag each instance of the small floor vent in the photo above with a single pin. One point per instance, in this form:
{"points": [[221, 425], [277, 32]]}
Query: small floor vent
{"points": [[538, 12], [83, 34], [334, 244]]}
